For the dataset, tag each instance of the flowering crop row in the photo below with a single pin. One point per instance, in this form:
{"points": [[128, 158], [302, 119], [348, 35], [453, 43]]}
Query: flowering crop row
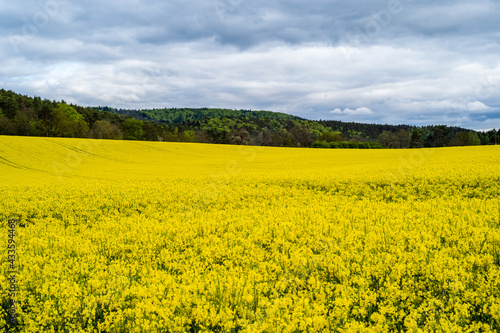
{"points": [[200, 238]]}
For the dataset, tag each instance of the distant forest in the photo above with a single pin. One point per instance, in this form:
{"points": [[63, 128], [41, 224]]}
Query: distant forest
{"points": [[34, 116]]}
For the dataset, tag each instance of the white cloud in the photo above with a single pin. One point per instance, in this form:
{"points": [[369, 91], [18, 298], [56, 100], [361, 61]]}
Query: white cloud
{"points": [[351, 112], [477, 106]]}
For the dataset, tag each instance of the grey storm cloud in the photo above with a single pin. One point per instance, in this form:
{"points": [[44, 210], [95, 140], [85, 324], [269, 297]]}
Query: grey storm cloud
{"points": [[392, 61]]}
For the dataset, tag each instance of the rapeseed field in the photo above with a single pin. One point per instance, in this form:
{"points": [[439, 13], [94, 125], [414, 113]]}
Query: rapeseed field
{"points": [[122, 236]]}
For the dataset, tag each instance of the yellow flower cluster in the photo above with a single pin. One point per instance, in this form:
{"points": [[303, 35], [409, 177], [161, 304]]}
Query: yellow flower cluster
{"points": [[117, 236]]}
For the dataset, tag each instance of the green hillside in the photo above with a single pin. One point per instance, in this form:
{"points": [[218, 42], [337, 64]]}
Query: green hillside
{"points": [[33, 116]]}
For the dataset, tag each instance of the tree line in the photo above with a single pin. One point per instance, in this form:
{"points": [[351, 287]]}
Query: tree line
{"points": [[32, 116]]}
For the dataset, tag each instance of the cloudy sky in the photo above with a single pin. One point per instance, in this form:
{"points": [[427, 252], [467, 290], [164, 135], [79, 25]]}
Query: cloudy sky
{"points": [[390, 61]]}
